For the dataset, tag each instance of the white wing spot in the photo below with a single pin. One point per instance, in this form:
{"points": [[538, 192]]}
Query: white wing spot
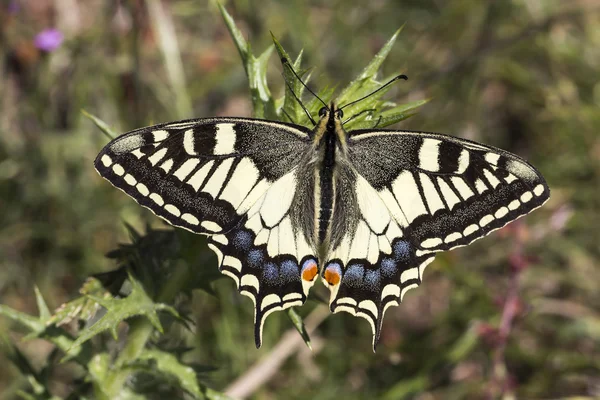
{"points": [[188, 142], [269, 300], [390, 290], [173, 210], [160, 135], [486, 220], [492, 158], [138, 153], [428, 155], [143, 189], [538, 190], [190, 219], [155, 197], [225, 139], [452, 237], [250, 280], [217, 238], [292, 296], [514, 205], [118, 169], [370, 306], [106, 160], [510, 178], [502, 211], [411, 273], [211, 226], [463, 161], [233, 263], [525, 197], [470, 229], [130, 179], [431, 242]]}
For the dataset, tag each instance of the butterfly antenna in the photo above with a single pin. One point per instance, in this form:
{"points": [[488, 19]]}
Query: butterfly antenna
{"points": [[377, 90], [301, 105], [284, 61]]}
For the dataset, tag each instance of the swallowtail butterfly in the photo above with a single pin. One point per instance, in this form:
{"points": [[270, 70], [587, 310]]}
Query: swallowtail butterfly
{"points": [[367, 210]]}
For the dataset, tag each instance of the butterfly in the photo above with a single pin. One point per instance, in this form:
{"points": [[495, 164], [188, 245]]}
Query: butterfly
{"points": [[281, 204]]}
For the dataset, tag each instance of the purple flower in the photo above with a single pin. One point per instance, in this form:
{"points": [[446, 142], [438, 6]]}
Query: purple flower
{"points": [[48, 39], [13, 7]]}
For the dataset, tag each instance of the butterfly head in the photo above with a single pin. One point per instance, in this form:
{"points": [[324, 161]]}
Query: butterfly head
{"points": [[330, 125]]}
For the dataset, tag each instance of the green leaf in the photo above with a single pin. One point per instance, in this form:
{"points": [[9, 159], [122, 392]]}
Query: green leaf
{"points": [[104, 127], [299, 325], [371, 70], [138, 303], [167, 364], [41, 304], [256, 70], [290, 104], [83, 308]]}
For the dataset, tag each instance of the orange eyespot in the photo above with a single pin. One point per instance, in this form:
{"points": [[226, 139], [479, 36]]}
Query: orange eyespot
{"points": [[309, 271], [332, 276]]}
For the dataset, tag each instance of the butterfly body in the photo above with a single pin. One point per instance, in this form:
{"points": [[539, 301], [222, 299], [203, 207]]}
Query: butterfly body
{"points": [[366, 210]]}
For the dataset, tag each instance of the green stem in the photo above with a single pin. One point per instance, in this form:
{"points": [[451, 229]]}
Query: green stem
{"points": [[140, 330]]}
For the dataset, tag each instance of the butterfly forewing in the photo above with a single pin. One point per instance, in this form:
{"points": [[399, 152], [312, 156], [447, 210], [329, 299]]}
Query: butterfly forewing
{"points": [[235, 180]]}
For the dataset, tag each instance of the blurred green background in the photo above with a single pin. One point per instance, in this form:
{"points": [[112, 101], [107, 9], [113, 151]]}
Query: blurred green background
{"points": [[514, 315]]}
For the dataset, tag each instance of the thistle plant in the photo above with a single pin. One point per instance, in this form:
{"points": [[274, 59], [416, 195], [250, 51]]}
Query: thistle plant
{"points": [[117, 331]]}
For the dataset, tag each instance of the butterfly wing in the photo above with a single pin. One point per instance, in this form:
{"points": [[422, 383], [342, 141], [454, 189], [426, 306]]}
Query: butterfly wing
{"points": [[235, 180], [416, 194]]}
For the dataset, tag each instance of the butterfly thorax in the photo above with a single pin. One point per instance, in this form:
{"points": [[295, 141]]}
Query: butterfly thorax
{"points": [[329, 142]]}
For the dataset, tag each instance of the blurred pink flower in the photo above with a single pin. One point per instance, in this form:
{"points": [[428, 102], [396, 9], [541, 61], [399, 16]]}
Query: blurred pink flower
{"points": [[48, 39]]}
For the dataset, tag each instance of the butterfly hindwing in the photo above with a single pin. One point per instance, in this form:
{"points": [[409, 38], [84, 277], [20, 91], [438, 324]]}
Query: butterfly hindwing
{"points": [[267, 256], [373, 260], [235, 180]]}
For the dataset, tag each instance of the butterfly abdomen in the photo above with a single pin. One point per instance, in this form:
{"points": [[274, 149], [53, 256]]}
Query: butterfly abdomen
{"points": [[325, 188]]}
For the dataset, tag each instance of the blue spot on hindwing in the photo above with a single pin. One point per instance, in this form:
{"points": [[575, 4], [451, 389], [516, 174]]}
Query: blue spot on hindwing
{"points": [[402, 250], [289, 271], [354, 275], [242, 240], [372, 278], [256, 258], [388, 268], [270, 272]]}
